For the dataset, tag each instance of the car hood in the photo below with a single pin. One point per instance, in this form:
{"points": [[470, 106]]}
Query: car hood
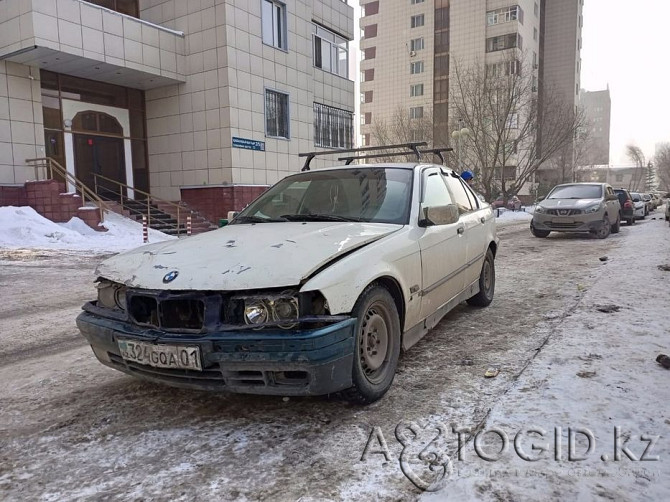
{"points": [[239, 257], [568, 203]]}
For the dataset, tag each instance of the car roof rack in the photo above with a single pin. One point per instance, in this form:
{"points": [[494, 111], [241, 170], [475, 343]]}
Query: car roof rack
{"points": [[412, 147], [418, 153]]}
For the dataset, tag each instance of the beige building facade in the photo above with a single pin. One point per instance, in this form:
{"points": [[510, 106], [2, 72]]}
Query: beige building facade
{"points": [[166, 94], [598, 108], [409, 49]]}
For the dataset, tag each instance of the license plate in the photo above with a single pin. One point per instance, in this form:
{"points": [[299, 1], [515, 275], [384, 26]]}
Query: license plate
{"points": [[184, 357]]}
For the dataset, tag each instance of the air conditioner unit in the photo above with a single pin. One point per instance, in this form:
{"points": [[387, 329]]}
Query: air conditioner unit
{"points": [[412, 54]]}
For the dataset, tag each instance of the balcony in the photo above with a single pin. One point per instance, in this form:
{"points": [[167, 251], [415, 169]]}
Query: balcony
{"points": [[79, 38]]}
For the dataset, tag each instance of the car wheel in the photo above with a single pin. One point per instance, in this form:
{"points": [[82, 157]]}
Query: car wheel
{"points": [[487, 283], [630, 221], [377, 348], [539, 233], [643, 216], [617, 225], [604, 230]]}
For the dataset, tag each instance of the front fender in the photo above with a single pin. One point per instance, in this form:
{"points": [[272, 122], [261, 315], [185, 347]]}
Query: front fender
{"points": [[396, 256]]}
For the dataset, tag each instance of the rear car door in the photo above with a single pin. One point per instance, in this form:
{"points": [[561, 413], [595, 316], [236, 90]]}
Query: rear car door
{"points": [[474, 219], [443, 248]]}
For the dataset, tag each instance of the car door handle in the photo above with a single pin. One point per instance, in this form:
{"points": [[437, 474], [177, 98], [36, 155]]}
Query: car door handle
{"points": [[460, 230], [482, 219]]}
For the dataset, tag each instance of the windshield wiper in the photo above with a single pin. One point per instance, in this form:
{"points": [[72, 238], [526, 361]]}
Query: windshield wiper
{"points": [[318, 217], [256, 219]]}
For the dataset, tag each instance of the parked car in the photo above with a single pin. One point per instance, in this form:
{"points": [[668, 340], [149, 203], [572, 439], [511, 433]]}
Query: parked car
{"points": [[514, 203], [627, 207], [648, 203], [639, 206], [578, 207], [312, 289], [656, 199]]}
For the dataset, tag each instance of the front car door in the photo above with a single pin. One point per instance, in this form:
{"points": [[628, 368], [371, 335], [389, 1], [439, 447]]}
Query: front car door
{"points": [[443, 248], [613, 205]]}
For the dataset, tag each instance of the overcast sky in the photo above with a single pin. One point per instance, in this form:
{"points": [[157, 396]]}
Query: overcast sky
{"points": [[623, 46]]}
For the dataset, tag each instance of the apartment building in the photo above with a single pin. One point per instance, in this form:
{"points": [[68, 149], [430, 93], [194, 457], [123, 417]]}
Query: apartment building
{"points": [[597, 107], [409, 49], [167, 95]]}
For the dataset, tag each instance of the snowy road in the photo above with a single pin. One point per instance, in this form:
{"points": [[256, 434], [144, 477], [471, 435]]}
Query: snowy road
{"points": [[72, 429]]}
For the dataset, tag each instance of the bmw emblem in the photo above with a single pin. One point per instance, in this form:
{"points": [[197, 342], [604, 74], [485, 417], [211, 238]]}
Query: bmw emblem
{"points": [[170, 276]]}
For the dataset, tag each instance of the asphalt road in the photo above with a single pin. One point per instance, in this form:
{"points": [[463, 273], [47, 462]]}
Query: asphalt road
{"points": [[72, 429]]}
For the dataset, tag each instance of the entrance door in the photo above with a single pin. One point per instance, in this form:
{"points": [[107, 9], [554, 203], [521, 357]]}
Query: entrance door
{"points": [[100, 155]]}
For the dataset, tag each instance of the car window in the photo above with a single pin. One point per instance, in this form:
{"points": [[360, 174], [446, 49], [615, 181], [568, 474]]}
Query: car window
{"points": [[379, 195], [435, 192], [576, 192], [460, 195], [636, 197]]}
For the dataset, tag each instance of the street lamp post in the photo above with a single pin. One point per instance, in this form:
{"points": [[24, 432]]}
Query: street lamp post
{"points": [[459, 135]]}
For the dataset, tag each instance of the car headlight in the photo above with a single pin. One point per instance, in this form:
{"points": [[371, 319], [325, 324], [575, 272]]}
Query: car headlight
{"points": [[539, 209], [593, 209], [256, 312], [111, 295], [282, 309]]}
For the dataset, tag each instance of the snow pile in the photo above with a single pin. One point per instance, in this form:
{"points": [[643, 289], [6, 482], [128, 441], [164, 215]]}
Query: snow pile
{"points": [[525, 214], [23, 227]]}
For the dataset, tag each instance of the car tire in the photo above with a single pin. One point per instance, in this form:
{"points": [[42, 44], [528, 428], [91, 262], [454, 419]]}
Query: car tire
{"points": [[617, 225], [643, 216], [630, 221], [377, 345], [487, 282], [539, 233], [605, 228]]}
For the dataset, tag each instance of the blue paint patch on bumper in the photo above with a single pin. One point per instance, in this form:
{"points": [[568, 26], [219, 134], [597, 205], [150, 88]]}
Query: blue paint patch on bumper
{"points": [[277, 362]]}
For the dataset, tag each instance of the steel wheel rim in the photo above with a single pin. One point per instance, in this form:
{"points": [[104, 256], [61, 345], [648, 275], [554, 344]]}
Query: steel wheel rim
{"points": [[488, 277], [603, 229], [374, 344]]}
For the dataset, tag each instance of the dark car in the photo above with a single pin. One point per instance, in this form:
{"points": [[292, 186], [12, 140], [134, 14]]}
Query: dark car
{"points": [[627, 206]]}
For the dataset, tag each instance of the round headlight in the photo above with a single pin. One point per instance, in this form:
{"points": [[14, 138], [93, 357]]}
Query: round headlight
{"points": [[106, 294], [120, 297], [256, 312]]}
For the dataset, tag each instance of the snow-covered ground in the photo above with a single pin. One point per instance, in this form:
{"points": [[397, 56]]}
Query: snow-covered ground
{"points": [[597, 376], [24, 228]]}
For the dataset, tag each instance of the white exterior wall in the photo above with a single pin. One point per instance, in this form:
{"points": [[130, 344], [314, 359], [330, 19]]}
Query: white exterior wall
{"points": [[191, 126]]}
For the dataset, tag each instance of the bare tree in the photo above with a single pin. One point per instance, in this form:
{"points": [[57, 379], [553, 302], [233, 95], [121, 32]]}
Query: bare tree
{"points": [[662, 162], [636, 156], [501, 107], [401, 128]]}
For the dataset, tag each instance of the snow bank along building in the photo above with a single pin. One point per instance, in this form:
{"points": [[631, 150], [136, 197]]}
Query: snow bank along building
{"points": [[201, 101]]}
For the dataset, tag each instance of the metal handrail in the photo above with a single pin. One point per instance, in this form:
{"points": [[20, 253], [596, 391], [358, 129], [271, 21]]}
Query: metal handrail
{"points": [[150, 198], [50, 166]]}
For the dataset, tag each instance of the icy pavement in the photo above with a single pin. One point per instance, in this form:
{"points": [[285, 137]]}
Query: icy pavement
{"points": [[595, 377]]}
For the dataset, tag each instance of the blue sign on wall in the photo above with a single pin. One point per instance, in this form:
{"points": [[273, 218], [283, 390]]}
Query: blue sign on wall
{"points": [[248, 144]]}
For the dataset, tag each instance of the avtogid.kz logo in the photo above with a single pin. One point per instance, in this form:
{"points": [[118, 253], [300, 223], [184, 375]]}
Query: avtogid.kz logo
{"points": [[425, 462]]}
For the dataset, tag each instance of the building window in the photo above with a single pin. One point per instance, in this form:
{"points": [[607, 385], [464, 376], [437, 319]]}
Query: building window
{"points": [[331, 52], [414, 2], [333, 127], [274, 24], [366, 97], [503, 68], [416, 44], [369, 53], [504, 15], [366, 118], [536, 9], [370, 9], [370, 31], [416, 135], [128, 7], [366, 139], [509, 41], [276, 114], [368, 75], [416, 90], [416, 112], [417, 21], [534, 33], [416, 67]]}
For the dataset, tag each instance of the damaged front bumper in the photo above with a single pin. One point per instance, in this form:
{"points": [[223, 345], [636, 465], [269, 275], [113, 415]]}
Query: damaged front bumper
{"points": [[269, 361]]}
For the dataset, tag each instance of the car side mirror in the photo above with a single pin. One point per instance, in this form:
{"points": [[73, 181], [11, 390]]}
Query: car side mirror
{"points": [[232, 214], [439, 215], [540, 199], [612, 197]]}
